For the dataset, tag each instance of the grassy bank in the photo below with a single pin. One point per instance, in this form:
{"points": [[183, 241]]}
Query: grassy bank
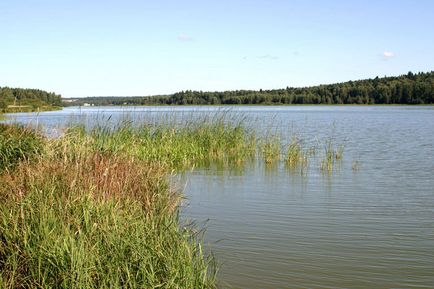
{"points": [[84, 213], [96, 221]]}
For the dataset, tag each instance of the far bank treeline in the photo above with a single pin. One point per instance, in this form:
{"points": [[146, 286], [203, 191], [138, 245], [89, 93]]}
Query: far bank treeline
{"points": [[411, 88], [24, 99]]}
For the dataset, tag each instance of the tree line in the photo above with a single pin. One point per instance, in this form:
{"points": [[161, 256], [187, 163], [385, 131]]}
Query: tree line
{"points": [[411, 88], [31, 99]]}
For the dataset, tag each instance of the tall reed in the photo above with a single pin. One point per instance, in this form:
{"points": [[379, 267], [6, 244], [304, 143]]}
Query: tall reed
{"points": [[176, 146], [296, 156], [332, 153], [96, 220], [18, 143], [271, 149]]}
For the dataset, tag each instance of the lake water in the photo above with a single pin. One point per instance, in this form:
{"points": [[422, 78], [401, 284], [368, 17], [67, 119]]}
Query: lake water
{"points": [[368, 224]]}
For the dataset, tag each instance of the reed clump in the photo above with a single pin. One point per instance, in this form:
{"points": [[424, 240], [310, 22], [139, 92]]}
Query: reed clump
{"points": [[79, 217], [178, 147], [296, 155], [270, 149], [332, 154], [18, 143]]}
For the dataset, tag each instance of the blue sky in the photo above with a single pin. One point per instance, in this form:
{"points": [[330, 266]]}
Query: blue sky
{"points": [[129, 47]]}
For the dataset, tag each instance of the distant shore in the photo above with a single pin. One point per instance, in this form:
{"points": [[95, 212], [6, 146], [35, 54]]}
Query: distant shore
{"points": [[27, 108]]}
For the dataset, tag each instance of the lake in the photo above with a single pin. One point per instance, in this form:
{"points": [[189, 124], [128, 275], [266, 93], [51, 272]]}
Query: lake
{"points": [[367, 224]]}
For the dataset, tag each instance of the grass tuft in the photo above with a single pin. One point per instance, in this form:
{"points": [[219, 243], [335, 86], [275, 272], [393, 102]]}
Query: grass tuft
{"points": [[296, 156], [332, 153], [96, 221], [271, 149], [178, 147], [18, 143]]}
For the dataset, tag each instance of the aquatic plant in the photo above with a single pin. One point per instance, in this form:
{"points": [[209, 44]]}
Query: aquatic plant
{"points": [[332, 153], [95, 220], [296, 156], [18, 143], [176, 146], [94, 208], [270, 149]]}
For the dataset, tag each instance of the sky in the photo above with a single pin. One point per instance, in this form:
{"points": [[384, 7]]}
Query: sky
{"points": [[83, 48]]}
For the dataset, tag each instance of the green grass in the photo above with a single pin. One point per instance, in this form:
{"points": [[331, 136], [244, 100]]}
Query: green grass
{"points": [[178, 147], [332, 154], [96, 221], [18, 143], [297, 156], [94, 209], [270, 149], [87, 212]]}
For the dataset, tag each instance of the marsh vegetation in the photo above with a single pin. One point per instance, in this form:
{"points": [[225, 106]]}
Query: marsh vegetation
{"points": [[93, 208]]}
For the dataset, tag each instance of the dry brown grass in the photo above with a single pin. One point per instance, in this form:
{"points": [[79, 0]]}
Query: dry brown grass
{"points": [[101, 176]]}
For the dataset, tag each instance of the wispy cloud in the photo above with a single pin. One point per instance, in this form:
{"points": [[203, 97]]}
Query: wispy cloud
{"points": [[388, 54], [264, 57], [184, 37]]}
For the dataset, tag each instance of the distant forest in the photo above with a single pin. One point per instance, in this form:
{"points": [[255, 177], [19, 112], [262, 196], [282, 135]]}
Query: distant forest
{"points": [[405, 89], [22, 99]]}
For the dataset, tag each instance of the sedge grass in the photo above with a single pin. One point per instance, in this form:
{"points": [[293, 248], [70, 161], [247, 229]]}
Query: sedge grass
{"points": [[270, 149], [94, 209], [95, 220], [178, 147], [332, 154], [18, 143], [296, 156]]}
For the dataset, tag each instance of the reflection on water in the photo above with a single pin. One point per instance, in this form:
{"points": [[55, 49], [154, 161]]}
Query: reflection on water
{"points": [[275, 227]]}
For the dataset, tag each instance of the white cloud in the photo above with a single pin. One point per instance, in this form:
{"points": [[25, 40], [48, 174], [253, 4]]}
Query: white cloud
{"points": [[388, 54], [184, 37]]}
